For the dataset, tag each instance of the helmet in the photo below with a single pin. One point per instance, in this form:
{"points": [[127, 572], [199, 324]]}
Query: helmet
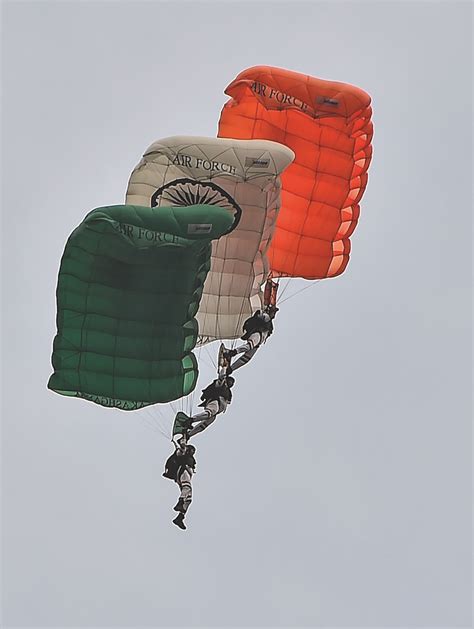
{"points": [[190, 449], [230, 381]]}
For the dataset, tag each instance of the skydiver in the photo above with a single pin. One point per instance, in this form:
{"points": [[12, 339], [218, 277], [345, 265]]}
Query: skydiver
{"points": [[257, 329], [215, 399], [180, 467]]}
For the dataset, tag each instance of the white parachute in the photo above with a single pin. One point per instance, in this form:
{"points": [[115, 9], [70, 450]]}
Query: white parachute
{"points": [[241, 175]]}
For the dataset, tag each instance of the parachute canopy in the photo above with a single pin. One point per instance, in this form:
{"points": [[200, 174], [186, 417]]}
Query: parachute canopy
{"points": [[328, 126], [240, 176], [129, 287]]}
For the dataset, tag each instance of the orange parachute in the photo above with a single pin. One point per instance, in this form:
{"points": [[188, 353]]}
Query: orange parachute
{"points": [[328, 126]]}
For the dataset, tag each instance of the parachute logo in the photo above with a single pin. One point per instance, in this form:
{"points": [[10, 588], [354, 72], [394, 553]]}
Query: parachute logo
{"points": [[184, 192], [283, 99], [323, 100], [256, 163], [182, 159], [124, 405], [199, 228], [139, 233]]}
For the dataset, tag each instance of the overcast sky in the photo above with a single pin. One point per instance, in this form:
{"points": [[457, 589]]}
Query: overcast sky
{"points": [[336, 491]]}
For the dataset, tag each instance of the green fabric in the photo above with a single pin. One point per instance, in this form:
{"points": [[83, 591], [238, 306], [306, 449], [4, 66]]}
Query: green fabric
{"points": [[182, 422], [129, 286]]}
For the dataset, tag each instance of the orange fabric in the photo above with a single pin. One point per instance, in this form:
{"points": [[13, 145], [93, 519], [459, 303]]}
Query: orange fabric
{"points": [[270, 293], [328, 126]]}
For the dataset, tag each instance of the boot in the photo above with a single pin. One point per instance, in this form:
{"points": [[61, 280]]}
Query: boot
{"points": [[179, 506], [179, 521]]}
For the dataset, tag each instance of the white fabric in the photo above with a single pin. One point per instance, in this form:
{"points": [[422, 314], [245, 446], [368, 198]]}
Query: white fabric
{"points": [[243, 173]]}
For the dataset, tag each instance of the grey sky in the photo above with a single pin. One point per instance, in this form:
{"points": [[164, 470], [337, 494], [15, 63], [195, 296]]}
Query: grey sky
{"points": [[336, 491]]}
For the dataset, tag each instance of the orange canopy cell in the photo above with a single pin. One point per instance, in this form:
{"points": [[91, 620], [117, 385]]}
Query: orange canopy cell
{"points": [[328, 126]]}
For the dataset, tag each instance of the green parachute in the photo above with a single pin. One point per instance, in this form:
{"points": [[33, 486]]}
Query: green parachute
{"points": [[129, 287]]}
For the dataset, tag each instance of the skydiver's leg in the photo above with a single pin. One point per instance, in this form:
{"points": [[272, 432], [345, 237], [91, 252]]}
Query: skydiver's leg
{"points": [[253, 341], [185, 498], [186, 495], [205, 418], [248, 350], [244, 359]]}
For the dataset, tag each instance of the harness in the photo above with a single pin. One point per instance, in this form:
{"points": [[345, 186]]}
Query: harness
{"points": [[214, 392], [176, 464], [256, 323]]}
